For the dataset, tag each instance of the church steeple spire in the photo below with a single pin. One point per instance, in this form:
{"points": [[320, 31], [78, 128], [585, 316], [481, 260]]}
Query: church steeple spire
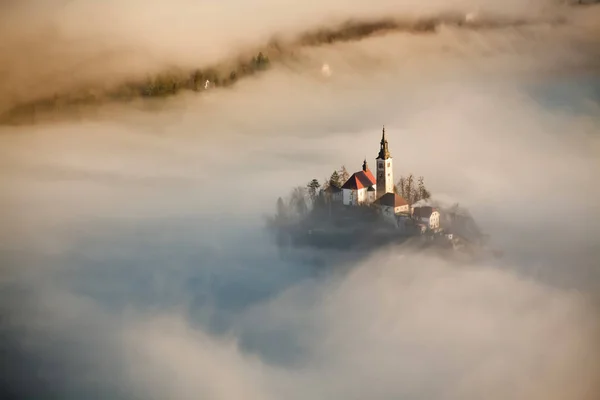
{"points": [[385, 173], [384, 152], [365, 165]]}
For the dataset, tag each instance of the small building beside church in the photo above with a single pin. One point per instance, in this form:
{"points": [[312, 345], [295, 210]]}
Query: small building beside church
{"points": [[429, 216], [392, 205]]}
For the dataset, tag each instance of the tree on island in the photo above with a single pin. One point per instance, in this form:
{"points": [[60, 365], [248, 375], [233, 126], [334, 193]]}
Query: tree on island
{"points": [[335, 179], [343, 175], [260, 62], [298, 201], [399, 188], [410, 191], [422, 192], [313, 188]]}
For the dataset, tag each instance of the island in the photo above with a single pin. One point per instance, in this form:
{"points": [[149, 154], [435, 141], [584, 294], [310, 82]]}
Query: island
{"points": [[366, 210]]}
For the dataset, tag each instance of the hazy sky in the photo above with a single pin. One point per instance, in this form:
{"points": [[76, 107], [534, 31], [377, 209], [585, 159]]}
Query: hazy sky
{"points": [[134, 260]]}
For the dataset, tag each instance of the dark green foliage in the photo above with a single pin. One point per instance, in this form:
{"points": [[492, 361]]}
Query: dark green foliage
{"points": [[313, 187], [347, 32], [171, 83], [162, 85], [197, 80], [335, 179], [260, 62], [165, 84]]}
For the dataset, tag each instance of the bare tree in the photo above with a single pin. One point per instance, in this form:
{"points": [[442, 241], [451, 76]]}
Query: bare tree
{"points": [[409, 189], [423, 194], [326, 184], [343, 174], [401, 186]]}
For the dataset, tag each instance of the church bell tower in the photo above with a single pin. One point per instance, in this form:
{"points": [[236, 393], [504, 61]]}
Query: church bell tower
{"points": [[385, 175]]}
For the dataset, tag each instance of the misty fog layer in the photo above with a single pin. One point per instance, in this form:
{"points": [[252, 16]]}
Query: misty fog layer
{"points": [[134, 259]]}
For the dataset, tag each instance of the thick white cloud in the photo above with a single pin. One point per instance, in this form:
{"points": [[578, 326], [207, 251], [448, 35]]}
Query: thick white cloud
{"points": [[397, 326]]}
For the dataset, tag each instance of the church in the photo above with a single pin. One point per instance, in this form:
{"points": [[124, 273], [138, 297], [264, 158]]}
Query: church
{"points": [[365, 188]]}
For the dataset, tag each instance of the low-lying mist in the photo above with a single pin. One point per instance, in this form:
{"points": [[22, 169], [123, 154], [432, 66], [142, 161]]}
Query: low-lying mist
{"points": [[135, 263]]}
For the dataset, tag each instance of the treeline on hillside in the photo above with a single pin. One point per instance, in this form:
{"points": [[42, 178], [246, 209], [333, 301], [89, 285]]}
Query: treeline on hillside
{"points": [[162, 85], [225, 74], [311, 197], [168, 84]]}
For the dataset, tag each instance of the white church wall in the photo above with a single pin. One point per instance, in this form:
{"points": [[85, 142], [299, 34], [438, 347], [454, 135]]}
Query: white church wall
{"points": [[401, 209], [434, 222], [371, 197], [361, 195], [354, 197], [346, 196]]}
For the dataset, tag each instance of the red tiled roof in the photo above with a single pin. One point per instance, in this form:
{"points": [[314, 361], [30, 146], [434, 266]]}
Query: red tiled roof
{"points": [[391, 200], [360, 180]]}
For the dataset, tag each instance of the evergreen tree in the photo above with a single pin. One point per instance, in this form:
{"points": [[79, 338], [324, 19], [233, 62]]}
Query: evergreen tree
{"points": [[313, 187], [335, 179], [260, 62]]}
